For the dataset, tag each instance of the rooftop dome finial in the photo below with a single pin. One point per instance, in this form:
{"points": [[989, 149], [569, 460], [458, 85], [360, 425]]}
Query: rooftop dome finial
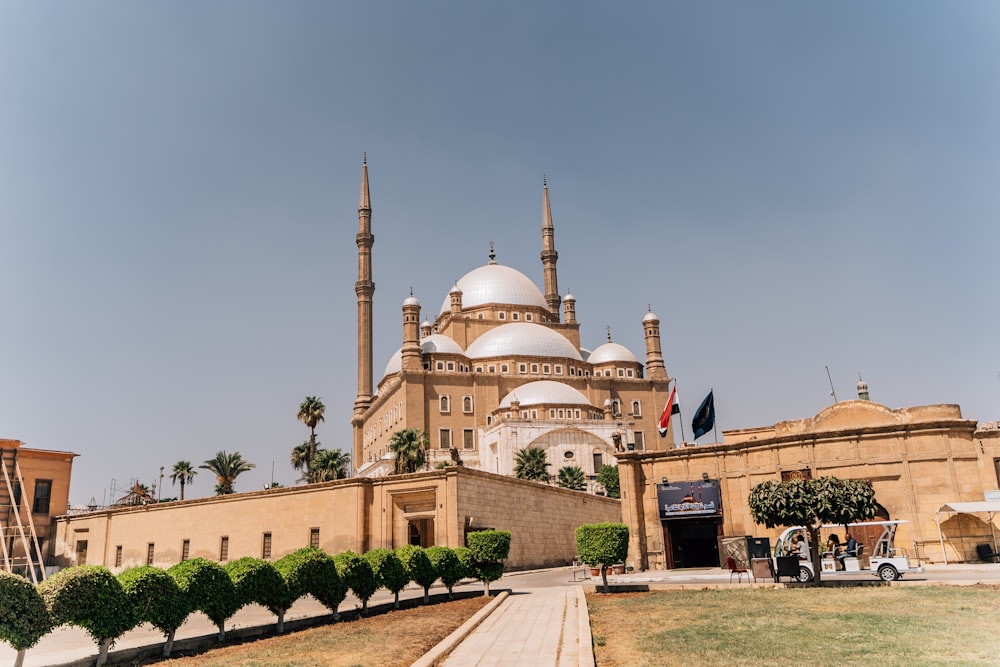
{"points": [[493, 255], [609, 333], [364, 157]]}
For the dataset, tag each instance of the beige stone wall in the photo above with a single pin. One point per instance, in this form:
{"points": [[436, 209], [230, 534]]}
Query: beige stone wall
{"points": [[357, 514]]}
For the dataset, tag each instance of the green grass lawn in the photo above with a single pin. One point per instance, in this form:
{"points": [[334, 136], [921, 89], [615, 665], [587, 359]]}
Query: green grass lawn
{"points": [[798, 627]]}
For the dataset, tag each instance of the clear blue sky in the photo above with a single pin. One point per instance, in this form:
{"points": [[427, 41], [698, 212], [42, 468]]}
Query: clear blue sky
{"points": [[789, 185]]}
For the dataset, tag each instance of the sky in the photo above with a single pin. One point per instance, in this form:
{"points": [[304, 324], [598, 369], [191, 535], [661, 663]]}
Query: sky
{"points": [[792, 187]]}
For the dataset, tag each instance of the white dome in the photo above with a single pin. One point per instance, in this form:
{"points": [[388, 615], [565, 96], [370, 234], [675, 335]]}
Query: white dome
{"points": [[611, 352], [495, 283], [522, 339], [433, 344], [650, 317], [544, 392]]}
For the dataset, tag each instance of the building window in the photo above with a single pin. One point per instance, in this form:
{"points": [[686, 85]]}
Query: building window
{"points": [[118, 556], [81, 552], [445, 402], [552, 413], [630, 373], [636, 409], [534, 369], [534, 414], [489, 419], [314, 537], [522, 368], [444, 438], [265, 548], [185, 550], [479, 369], [467, 404], [562, 413], [640, 440], [621, 372], [616, 408], [43, 494], [224, 548], [440, 365], [502, 316], [451, 365], [468, 438], [546, 369], [572, 370], [576, 413], [482, 316], [493, 369], [515, 316], [504, 368], [558, 369], [529, 317], [598, 461], [150, 549]]}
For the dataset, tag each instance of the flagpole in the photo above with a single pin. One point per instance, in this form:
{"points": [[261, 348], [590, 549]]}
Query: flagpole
{"points": [[715, 422], [679, 413]]}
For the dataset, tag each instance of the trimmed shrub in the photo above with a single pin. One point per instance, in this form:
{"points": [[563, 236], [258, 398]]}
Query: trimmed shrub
{"points": [[602, 544], [466, 562], [389, 571], [258, 582], [89, 596], [311, 570], [447, 567], [418, 567], [208, 589], [490, 549], [157, 600], [24, 619], [357, 573]]}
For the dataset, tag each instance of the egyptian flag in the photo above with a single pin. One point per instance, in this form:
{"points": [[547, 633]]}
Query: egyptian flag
{"points": [[668, 410]]}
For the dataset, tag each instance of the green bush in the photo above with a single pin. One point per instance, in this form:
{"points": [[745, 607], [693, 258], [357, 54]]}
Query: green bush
{"points": [[157, 600], [24, 619], [490, 549], [446, 566], [89, 596], [466, 562], [259, 582], [208, 589], [311, 570], [418, 567], [357, 573], [602, 544], [389, 571]]}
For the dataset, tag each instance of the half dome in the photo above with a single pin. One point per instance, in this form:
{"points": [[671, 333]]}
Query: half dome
{"points": [[495, 283], [433, 344], [544, 392], [522, 339], [611, 352]]}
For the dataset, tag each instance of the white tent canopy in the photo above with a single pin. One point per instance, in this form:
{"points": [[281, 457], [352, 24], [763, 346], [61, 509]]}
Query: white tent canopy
{"points": [[988, 507]]}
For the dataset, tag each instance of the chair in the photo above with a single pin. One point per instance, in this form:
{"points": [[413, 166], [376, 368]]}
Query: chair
{"points": [[737, 570], [986, 553]]}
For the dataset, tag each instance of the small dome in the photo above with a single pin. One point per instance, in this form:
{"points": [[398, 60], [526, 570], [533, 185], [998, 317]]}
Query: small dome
{"points": [[524, 339], [433, 344], [544, 392], [411, 301], [611, 352], [426, 324], [455, 290], [569, 297], [495, 283], [650, 317]]}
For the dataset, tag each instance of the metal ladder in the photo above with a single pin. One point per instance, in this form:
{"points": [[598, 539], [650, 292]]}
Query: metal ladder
{"points": [[16, 531]]}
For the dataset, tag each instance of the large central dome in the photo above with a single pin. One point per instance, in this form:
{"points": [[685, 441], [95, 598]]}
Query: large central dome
{"points": [[495, 283], [522, 339]]}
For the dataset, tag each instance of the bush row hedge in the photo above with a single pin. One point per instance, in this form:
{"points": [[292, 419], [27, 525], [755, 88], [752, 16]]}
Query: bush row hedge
{"points": [[91, 597]]}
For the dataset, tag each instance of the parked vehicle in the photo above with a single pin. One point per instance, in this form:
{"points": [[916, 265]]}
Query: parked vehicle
{"points": [[876, 553]]}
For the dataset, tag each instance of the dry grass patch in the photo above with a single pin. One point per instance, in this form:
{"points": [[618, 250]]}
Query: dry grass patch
{"points": [[384, 640], [925, 625]]}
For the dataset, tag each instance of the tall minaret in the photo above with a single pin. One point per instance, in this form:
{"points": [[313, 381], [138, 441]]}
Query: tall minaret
{"points": [[549, 254], [655, 370], [364, 288]]}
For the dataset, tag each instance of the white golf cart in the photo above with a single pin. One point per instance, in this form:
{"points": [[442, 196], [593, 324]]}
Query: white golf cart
{"points": [[876, 553]]}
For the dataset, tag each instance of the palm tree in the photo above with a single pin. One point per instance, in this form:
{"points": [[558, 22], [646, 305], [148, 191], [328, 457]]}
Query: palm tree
{"points": [[311, 413], [302, 461], [329, 464], [530, 463], [572, 477], [227, 467], [183, 473], [408, 447]]}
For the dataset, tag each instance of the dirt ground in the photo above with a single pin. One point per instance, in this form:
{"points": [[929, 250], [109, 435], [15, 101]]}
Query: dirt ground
{"points": [[384, 639]]}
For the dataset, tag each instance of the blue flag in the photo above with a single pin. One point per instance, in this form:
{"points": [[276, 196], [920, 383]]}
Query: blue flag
{"points": [[704, 417]]}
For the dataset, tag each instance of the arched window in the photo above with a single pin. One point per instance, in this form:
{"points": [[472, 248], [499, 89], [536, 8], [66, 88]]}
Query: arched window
{"points": [[445, 404], [636, 408], [466, 404]]}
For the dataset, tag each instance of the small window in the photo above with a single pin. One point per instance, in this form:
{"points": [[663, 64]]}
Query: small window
{"points": [[314, 537], [265, 547], [223, 548], [504, 368], [43, 494], [524, 414], [451, 365], [482, 316], [568, 454], [440, 365], [621, 372], [185, 550], [534, 369], [489, 419], [493, 369], [502, 316], [118, 556], [572, 370], [467, 404], [546, 369], [534, 414], [630, 373], [636, 409], [150, 550], [529, 317], [515, 316], [468, 439], [576, 413], [552, 413], [479, 369], [81, 552], [444, 438], [522, 368], [445, 402], [558, 369], [598, 461], [640, 440], [427, 365]]}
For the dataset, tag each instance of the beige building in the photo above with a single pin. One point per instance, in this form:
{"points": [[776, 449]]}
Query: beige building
{"points": [[500, 367], [918, 459], [429, 508]]}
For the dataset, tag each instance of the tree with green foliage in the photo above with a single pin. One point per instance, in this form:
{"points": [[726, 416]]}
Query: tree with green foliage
{"points": [[89, 597], [466, 563], [607, 476], [258, 581], [311, 413], [357, 573], [447, 567], [601, 545], [301, 459], [531, 464], [24, 618], [490, 549], [183, 473], [329, 464], [226, 468], [208, 589], [409, 450], [572, 477], [311, 570], [810, 503], [157, 599], [389, 571], [418, 567]]}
